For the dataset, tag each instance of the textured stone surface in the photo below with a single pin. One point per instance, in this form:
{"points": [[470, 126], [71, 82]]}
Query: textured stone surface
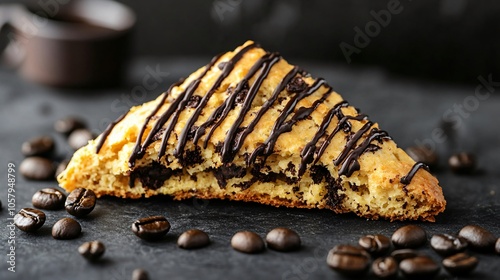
{"points": [[408, 110]]}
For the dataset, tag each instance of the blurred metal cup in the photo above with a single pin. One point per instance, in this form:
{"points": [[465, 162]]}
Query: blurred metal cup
{"points": [[80, 43]]}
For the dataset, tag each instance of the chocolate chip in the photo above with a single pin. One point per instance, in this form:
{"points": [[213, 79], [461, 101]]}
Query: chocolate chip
{"points": [[247, 242], [37, 168], [66, 228], [423, 154], [29, 219], [460, 264], [69, 124], [445, 244], [296, 85], [92, 250], [462, 163], [192, 239], [410, 236], [42, 146], [375, 244], [193, 101], [79, 138], [283, 239], [348, 260], [49, 199], [479, 239]]}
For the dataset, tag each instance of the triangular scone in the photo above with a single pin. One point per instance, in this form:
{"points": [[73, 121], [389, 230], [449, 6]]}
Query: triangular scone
{"points": [[249, 126]]}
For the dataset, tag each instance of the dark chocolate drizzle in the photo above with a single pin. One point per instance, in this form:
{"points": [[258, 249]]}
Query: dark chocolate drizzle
{"points": [[240, 98], [107, 131], [406, 180]]}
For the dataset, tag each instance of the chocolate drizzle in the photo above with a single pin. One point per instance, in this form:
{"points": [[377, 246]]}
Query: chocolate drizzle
{"points": [[240, 99], [406, 180], [107, 131]]}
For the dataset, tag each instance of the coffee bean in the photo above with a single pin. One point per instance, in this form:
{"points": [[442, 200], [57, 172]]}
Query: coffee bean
{"points": [[151, 228], [460, 264], [247, 242], [79, 138], [497, 246], [140, 274], [92, 250], [37, 168], [375, 244], [69, 124], [348, 260], [42, 146], [61, 167], [80, 202], [410, 236], [29, 219], [66, 228], [385, 268], [462, 163], [423, 154], [403, 254], [445, 244], [49, 199], [479, 239], [419, 267], [193, 238], [283, 239]]}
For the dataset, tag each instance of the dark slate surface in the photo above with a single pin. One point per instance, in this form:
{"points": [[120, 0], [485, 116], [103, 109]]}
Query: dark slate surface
{"points": [[410, 110]]}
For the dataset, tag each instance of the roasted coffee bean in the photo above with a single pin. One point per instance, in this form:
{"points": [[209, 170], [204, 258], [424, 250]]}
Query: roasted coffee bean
{"points": [[375, 244], [497, 246], [460, 264], [385, 268], [67, 125], [37, 168], [445, 244], [247, 242], [419, 267], [79, 138], [61, 167], [29, 219], [479, 239], [348, 260], [66, 228], [140, 274], [42, 146], [92, 250], [49, 199], [462, 163], [403, 254], [283, 239], [151, 228], [193, 238], [80, 202], [423, 154], [410, 236]]}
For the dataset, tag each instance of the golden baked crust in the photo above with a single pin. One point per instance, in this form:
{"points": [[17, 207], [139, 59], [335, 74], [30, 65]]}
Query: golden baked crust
{"points": [[251, 127]]}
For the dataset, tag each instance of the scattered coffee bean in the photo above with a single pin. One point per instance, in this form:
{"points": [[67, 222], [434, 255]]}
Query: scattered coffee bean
{"points": [[462, 163], [37, 168], [497, 246], [29, 219], [79, 138], [69, 124], [410, 236], [445, 244], [375, 244], [193, 238], [49, 199], [151, 228], [92, 250], [247, 242], [403, 254], [42, 146], [348, 260], [460, 264], [61, 167], [66, 228], [283, 239], [479, 239], [419, 267], [80, 202], [140, 274], [423, 154], [385, 268]]}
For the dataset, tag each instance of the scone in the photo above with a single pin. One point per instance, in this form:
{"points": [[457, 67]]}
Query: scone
{"points": [[249, 126]]}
